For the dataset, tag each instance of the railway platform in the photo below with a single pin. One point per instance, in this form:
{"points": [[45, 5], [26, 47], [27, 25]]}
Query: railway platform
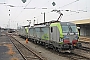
{"points": [[7, 49]]}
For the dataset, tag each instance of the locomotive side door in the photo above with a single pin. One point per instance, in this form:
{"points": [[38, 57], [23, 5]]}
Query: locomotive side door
{"points": [[54, 34]]}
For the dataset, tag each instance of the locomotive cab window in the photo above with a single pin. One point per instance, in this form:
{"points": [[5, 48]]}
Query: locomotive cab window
{"points": [[51, 29]]}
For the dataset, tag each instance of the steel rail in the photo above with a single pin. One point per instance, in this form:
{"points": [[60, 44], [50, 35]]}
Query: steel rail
{"points": [[18, 50], [40, 58]]}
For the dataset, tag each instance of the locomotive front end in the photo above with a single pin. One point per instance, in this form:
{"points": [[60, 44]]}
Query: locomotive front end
{"points": [[70, 36]]}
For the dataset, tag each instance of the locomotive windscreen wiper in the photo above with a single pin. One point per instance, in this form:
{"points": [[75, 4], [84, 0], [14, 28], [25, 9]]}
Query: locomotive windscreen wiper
{"points": [[71, 30]]}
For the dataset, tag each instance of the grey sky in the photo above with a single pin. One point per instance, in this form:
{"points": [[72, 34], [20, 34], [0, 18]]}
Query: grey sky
{"points": [[20, 15]]}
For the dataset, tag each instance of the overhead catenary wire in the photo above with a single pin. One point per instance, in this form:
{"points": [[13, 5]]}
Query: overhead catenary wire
{"points": [[38, 8], [42, 8], [63, 6], [69, 4], [49, 12], [23, 9], [20, 11], [78, 11]]}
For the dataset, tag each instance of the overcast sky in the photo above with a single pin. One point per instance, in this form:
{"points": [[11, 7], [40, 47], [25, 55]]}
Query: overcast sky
{"points": [[20, 15]]}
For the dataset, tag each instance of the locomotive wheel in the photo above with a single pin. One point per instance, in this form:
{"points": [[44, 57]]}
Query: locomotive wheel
{"points": [[59, 49], [54, 48], [79, 45]]}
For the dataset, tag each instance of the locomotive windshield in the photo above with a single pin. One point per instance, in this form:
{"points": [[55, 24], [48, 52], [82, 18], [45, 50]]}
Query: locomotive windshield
{"points": [[74, 29], [69, 28], [65, 29]]}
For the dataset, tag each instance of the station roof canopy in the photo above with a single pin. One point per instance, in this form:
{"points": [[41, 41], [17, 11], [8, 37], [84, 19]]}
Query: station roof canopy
{"points": [[85, 21]]}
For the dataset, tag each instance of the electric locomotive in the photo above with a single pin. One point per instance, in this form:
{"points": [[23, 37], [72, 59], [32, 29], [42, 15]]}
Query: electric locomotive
{"points": [[60, 36]]}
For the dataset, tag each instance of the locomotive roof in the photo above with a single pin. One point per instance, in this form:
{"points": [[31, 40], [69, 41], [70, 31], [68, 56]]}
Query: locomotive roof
{"points": [[45, 24], [48, 23], [67, 23]]}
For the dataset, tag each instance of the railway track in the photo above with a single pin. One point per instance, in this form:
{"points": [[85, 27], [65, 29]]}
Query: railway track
{"points": [[25, 52], [71, 56], [85, 49], [84, 42], [74, 56], [86, 46]]}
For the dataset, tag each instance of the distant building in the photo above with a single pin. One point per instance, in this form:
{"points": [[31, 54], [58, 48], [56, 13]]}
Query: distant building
{"points": [[83, 27]]}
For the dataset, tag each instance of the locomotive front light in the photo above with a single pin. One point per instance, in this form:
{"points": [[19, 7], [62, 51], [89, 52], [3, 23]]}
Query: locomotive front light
{"points": [[74, 44]]}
